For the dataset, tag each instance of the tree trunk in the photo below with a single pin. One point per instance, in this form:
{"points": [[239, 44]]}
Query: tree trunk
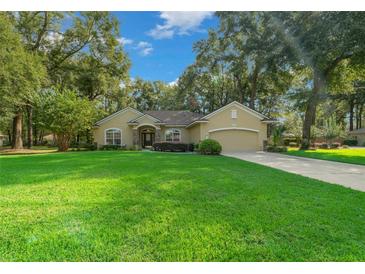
{"points": [[360, 115], [40, 138], [35, 134], [17, 131], [30, 126], [351, 114], [310, 113], [253, 91], [10, 137], [357, 116], [63, 142]]}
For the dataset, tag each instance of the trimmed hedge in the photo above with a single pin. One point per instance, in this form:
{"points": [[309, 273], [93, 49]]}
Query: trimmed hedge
{"points": [[335, 145], [276, 149], [86, 146], [112, 147], [350, 142], [210, 147], [173, 147]]}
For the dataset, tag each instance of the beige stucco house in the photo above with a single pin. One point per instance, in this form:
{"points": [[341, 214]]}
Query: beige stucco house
{"points": [[359, 135], [235, 126]]}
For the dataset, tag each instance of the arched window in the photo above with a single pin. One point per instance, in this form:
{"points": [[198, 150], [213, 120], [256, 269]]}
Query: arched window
{"points": [[173, 135], [113, 136]]}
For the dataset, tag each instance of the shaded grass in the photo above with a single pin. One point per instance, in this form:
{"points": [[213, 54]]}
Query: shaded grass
{"points": [[351, 156], [131, 206]]}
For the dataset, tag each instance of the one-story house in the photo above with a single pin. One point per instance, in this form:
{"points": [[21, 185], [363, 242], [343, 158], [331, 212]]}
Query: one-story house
{"points": [[359, 135], [2, 137], [235, 126]]}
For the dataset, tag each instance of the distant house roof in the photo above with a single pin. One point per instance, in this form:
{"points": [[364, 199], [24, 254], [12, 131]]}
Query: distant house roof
{"points": [[175, 117], [358, 131]]}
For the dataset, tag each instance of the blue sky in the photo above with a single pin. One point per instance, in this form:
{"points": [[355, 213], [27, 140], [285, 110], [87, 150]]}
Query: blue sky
{"points": [[159, 44]]}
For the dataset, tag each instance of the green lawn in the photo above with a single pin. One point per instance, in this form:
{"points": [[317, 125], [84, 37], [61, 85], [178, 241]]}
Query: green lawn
{"points": [[132, 206], [352, 155]]}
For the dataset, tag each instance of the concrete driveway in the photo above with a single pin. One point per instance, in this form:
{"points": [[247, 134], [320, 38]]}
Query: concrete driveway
{"points": [[348, 175]]}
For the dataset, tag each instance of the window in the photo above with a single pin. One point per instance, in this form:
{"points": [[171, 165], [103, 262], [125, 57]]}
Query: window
{"points": [[173, 135], [234, 114], [113, 136]]}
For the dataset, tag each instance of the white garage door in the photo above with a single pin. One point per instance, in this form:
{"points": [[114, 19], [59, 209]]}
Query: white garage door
{"points": [[236, 140]]}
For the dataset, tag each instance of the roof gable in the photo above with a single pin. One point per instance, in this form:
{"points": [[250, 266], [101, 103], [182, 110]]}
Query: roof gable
{"points": [[238, 105], [149, 117], [120, 112]]}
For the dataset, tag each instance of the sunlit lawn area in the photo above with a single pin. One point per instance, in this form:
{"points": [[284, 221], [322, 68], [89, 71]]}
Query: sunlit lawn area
{"points": [[133, 206], [351, 155]]}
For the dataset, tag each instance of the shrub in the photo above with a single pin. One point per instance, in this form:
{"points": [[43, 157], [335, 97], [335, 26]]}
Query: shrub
{"points": [[345, 146], [350, 142], [288, 140], [305, 144], [292, 144], [85, 146], [172, 147], [92, 146], [277, 149], [323, 146], [210, 147], [112, 147], [363, 144], [335, 145]]}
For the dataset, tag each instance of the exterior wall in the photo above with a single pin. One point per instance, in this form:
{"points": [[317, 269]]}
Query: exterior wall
{"points": [[121, 122], [360, 139], [236, 140], [244, 120], [231, 139], [185, 138], [195, 134]]}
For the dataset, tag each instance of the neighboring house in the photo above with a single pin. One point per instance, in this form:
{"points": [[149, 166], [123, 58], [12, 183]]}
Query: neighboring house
{"points": [[2, 138], [235, 126], [50, 138], [359, 135]]}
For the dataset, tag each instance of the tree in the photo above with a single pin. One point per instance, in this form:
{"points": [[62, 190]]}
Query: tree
{"points": [[65, 114], [256, 47], [80, 50], [331, 129], [21, 74], [244, 60], [277, 135], [36, 29], [322, 41]]}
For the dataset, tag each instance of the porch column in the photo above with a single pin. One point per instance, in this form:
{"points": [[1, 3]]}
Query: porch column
{"points": [[135, 138], [158, 135]]}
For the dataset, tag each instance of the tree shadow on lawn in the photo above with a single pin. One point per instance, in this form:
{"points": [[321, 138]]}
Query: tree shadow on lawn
{"points": [[222, 210]]}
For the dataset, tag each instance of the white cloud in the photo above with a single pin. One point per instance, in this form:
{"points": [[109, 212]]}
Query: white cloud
{"points": [[125, 41], [54, 37], [173, 83], [179, 22], [144, 48]]}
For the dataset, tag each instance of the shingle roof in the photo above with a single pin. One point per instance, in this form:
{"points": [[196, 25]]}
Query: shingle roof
{"points": [[173, 117]]}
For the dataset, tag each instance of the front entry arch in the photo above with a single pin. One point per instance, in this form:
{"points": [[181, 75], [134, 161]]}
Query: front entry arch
{"points": [[147, 137]]}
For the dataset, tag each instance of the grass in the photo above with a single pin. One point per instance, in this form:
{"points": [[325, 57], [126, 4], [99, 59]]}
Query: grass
{"points": [[351, 156], [7, 150], [132, 206]]}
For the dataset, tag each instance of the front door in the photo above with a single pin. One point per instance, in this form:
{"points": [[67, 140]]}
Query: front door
{"points": [[147, 139]]}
